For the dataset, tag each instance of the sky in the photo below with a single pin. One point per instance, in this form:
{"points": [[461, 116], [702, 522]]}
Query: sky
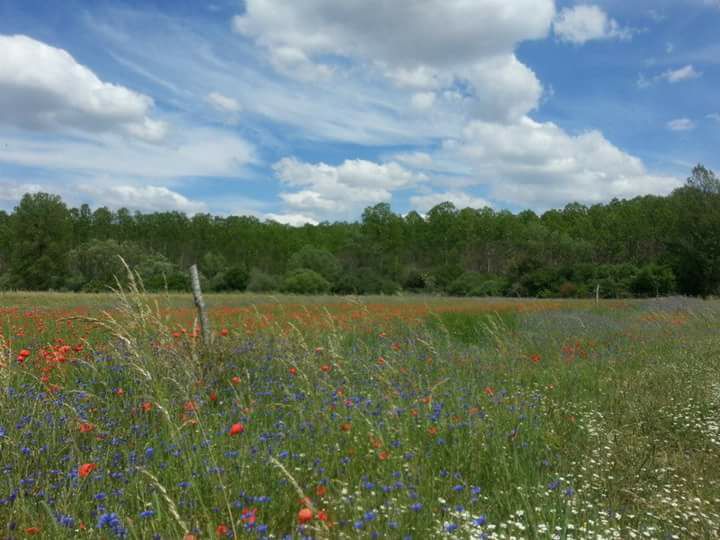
{"points": [[310, 111]]}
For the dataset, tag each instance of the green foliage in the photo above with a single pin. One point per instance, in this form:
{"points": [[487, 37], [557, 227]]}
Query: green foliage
{"points": [[305, 281], [41, 233], [234, 278], [262, 282], [319, 260], [470, 252]]}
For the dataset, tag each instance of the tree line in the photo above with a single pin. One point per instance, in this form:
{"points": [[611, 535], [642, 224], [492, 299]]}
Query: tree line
{"points": [[646, 246]]}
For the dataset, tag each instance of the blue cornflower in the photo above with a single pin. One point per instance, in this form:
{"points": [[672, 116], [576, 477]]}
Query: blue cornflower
{"points": [[359, 524], [569, 492], [479, 521], [147, 514], [184, 484], [416, 507], [458, 488], [370, 516], [552, 486], [451, 527]]}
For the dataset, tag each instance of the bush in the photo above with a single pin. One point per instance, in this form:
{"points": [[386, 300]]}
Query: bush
{"points": [[413, 280], [305, 281], [568, 290], [262, 282], [234, 278], [365, 282], [466, 284], [318, 260], [653, 280]]}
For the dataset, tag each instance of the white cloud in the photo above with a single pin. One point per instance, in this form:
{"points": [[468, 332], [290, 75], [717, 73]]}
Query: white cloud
{"points": [[583, 23], [295, 220], [223, 103], [714, 116], [539, 165], [423, 203], [414, 159], [327, 190], [441, 42], [12, 192], [681, 124], [143, 198], [423, 100], [681, 74], [44, 88], [190, 151]]}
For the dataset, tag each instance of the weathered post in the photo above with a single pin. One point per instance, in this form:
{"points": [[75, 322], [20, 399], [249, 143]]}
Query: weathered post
{"points": [[597, 295], [200, 305]]}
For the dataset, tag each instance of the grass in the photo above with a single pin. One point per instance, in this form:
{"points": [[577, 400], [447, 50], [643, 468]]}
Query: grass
{"points": [[385, 417]]}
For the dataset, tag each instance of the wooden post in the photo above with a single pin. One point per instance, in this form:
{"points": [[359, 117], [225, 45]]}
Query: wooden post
{"points": [[200, 305], [597, 295]]}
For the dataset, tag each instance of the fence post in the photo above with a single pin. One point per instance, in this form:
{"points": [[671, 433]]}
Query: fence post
{"points": [[200, 305]]}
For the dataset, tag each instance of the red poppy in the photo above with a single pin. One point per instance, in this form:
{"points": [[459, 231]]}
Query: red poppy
{"points": [[213, 396], [31, 531], [432, 431], [535, 358], [249, 515], [86, 427], [147, 406], [326, 368], [345, 426], [305, 515], [235, 380], [236, 429], [85, 469], [320, 491], [190, 406], [224, 332], [293, 371], [322, 515], [489, 390], [222, 529], [119, 392], [383, 455]]}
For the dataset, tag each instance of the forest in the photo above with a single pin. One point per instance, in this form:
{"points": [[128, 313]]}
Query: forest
{"points": [[645, 246]]}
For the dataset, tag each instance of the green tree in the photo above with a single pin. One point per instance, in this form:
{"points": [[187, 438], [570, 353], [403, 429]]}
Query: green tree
{"points": [[41, 229]]}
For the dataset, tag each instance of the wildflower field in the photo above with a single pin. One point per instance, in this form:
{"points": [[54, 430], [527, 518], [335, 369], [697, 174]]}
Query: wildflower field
{"points": [[394, 417]]}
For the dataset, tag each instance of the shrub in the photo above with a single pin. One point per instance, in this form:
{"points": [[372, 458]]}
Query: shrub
{"points": [[305, 281], [262, 282], [365, 282], [234, 278], [466, 284], [318, 260], [568, 290]]}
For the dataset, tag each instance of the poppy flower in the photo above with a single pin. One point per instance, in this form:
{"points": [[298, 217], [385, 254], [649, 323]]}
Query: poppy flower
{"points": [[86, 427], [119, 392], [320, 491], [305, 515], [190, 536], [85, 469], [236, 429], [345, 426], [213, 396], [489, 390], [222, 530], [224, 332], [326, 368], [147, 406], [31, 531], [235, 380], [249, 515], [293, 371], [535, 358], [322, 515], [382, 456]]}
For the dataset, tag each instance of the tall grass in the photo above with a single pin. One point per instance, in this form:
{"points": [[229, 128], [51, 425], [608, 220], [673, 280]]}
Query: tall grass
{"points": [[580, 423]]}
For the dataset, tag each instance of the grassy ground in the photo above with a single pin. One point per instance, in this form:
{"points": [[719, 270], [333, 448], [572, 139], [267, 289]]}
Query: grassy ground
{"points": [[415, 417]]}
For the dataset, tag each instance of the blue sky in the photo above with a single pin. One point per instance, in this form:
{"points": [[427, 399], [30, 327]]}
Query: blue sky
{"points": [[311, 111]]}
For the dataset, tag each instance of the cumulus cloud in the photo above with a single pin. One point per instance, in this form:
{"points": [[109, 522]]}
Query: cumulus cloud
{"points": [[423, 203], [295, 220], [441, 42], [223, 103], [583, 23], [143, 198], [329, 190], [681, 124], [44, 88], [681, 74], [539, 165]]}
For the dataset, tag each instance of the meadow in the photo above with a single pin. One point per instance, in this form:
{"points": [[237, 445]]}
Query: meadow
{"points": [[344, 417]]}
